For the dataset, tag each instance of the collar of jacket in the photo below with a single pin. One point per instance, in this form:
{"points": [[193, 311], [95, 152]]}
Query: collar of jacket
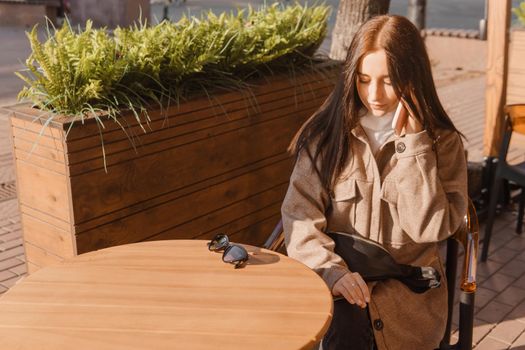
{"points": [[360, 134]]}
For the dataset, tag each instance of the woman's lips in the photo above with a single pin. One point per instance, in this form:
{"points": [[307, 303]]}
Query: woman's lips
{"points": [[377, 106]]}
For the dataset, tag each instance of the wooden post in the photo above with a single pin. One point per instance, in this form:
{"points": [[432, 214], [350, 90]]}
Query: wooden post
{"points": [[417, 12], [497, 67]]}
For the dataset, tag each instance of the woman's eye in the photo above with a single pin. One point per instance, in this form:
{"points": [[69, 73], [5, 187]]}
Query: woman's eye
{"points": [[363, 81], [387, 82]]}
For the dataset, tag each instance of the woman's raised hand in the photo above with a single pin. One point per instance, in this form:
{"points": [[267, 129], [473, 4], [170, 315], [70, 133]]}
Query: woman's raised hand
{"points": [[404, 120], [353, 288]]}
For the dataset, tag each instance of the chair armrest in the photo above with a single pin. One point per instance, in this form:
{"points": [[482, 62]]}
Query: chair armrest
{"points": [[469, 238], [276, 239]]}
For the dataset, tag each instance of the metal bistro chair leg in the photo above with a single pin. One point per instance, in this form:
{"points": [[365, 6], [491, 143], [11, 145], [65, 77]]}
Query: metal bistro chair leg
{"points": [[520, 211], [451, 272], [490, 219], [470, 242], [466, 324]]}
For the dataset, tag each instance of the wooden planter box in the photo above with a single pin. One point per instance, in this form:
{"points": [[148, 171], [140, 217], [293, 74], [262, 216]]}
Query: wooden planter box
{"points": [[207, 166], [516, 77]]}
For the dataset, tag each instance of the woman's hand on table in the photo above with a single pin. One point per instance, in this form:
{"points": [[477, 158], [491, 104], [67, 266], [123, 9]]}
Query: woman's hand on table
{"points": [[353, 288]]}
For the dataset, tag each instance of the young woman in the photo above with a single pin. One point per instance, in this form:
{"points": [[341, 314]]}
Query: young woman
{"points": [[404, 188]]}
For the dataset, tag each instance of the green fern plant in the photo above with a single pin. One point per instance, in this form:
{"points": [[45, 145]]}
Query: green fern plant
{"points": [[92, 73]]}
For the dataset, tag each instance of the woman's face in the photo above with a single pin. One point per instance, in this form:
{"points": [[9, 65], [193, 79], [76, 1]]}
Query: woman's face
{"points": [[374, 85]]}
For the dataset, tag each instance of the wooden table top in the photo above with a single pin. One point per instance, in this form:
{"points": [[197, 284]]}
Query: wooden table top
{"points": [[166, 295]]}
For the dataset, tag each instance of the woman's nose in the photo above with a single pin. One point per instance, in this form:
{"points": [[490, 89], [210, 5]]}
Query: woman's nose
{"points": [[375, 92]]}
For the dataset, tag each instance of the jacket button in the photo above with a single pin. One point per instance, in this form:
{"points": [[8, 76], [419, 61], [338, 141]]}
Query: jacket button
{"points": [[400, 148], [378, 324]]}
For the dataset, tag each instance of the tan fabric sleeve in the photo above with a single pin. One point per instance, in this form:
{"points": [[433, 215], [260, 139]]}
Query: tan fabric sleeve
{"points": [[304, 223], [432, 198]]}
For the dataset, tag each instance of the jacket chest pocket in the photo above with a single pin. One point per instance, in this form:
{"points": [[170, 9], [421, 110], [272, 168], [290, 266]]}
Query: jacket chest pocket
{"points": [[392, 231], [345, 197]]}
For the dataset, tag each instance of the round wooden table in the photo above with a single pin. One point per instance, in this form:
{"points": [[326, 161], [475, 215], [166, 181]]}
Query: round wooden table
{"points": [[166, 295]]}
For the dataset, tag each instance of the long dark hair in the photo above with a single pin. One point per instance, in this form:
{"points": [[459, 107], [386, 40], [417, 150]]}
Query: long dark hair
{"points": [[328, 129]]}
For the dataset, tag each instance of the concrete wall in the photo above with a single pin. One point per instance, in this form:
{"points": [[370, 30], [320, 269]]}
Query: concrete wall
{"points": [[20, 14], [109, 13]]}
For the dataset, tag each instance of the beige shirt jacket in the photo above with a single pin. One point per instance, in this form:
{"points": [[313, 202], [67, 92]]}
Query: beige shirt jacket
{"points": [[407, 198]]}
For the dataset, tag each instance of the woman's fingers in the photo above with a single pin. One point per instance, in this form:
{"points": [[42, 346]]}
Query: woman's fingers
{"points": [[412, 125], [363, 287], [353, 284], [355, 293], [400, 118], [404, 120], [353, 288], [340, 289], [347, 293]]}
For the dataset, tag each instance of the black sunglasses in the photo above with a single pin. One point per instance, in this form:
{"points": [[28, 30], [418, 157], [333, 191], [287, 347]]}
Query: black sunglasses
{"points": [[233, 253]]}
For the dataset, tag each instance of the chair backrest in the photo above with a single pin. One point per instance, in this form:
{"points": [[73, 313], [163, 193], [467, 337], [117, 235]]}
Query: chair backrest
{"points": [[514, 122], [516, 113], [276, 240], [468, 236]]}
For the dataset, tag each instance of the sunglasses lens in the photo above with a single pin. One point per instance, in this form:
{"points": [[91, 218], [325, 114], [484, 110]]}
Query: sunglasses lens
{"points": [[219, 242], [235, 254]]}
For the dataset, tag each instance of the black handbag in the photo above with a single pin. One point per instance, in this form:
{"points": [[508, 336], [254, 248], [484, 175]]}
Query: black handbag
{"points": [[374, 263]]}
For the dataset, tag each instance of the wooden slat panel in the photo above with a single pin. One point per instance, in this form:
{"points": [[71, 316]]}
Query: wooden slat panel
{"points": [[253, 228], [267, 85], [40, 257], [260, 231], [178, 193], [117, 141], [327, 72], [96, 193], [48, 237], [43, 190], [45, 217], [224, 202], [32, 119], [199, 119], [41, 162], [52, 137], [37, 126], [240, 226], [221, 155], [30, 147], [35, 139], [31, 268], [180, 136]]}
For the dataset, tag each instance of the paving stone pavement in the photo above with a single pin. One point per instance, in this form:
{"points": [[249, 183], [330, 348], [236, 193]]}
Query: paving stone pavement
{"points": [[499, 321], [12, 261]]}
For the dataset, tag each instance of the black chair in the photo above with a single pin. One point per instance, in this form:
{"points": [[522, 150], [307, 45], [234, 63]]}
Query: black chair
{"points": [[468, 236], [514, 122]]}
